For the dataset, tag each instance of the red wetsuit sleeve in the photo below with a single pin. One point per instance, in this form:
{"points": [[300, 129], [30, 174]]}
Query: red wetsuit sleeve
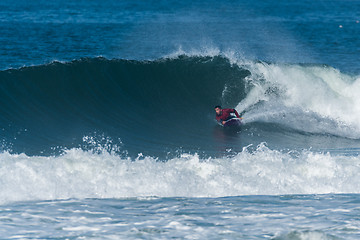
{"points": [[236, 113], [218, 118]]}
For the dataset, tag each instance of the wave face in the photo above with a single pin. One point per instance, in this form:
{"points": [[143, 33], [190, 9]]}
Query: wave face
{"points": [[146, 104], [160, 107]]}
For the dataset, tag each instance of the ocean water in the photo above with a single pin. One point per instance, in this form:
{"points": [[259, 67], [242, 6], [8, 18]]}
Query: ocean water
{"points": [[107, 124]]}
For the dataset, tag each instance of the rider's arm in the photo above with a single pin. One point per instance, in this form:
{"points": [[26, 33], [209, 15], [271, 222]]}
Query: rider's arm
{"points": [[236, 113], [218, 118]]}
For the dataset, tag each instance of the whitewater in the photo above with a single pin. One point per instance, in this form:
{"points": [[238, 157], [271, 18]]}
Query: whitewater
{"points": [[80, 174]]}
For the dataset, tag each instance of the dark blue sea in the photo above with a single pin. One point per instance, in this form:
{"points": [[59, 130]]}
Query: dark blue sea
{"points": [[108, 131]]}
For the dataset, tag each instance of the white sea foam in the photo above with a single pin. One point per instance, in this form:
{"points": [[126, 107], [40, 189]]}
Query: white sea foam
{"points": [[317, 99], [83, 174]]}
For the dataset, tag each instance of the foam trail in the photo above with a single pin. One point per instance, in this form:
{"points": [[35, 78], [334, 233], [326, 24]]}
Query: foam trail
{"points": [[83, 174]]}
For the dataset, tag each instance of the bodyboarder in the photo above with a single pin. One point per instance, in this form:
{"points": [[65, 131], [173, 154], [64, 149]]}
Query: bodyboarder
{"points": [[223, 115]]}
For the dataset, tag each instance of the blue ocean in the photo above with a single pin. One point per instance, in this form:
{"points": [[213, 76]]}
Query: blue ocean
{"points": [[108, 130]]}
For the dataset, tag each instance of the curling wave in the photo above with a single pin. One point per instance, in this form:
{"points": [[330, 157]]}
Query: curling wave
{"points": [[158, 107]]}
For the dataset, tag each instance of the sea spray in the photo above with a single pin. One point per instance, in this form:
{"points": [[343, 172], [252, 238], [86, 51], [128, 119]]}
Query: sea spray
{"points": [[310, 98]]}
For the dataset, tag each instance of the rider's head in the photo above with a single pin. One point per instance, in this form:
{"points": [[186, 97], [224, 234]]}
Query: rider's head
{"points": [[218, 110]]}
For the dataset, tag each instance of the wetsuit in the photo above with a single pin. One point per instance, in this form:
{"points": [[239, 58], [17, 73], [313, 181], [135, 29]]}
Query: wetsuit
{"points": [[225, 114]]}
